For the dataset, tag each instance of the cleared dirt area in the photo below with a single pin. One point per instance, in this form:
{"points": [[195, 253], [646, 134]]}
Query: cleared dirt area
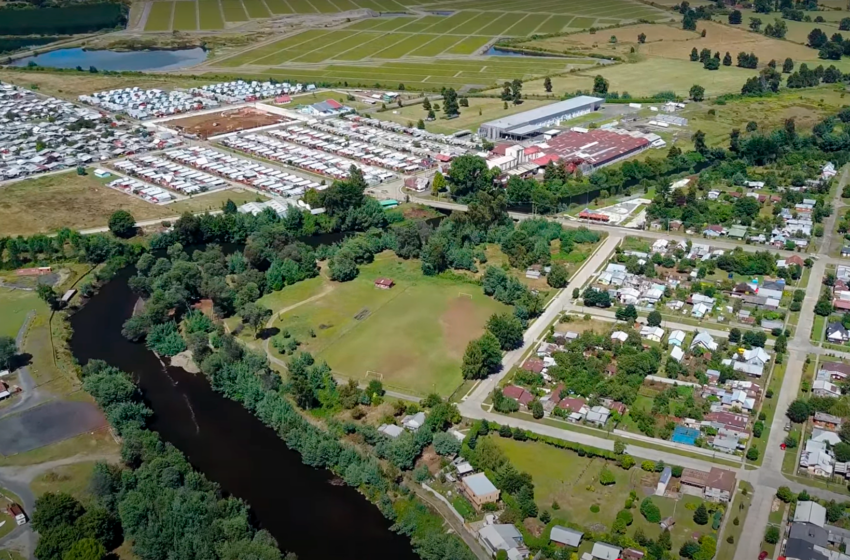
{"points": [[670, 41], [213, 124], [459, 323], [47, 204]]}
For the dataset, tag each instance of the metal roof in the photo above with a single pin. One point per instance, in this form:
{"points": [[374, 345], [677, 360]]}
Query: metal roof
{"points": [[547, 111], [479, 484]]}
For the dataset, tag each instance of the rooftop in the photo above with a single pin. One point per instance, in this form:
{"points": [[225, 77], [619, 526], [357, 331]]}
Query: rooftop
{"points": [[479, 484], [543, 112]]}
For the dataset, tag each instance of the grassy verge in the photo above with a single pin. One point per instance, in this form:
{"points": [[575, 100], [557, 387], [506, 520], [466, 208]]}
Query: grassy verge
{"points": [[99, 442], [70, 479], [818, 327], [768, 407], [739, 510]]}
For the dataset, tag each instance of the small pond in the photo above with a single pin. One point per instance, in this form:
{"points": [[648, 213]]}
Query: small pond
{"points": [[118, 61]]}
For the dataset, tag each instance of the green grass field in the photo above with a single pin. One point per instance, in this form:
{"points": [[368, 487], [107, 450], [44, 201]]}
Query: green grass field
{"points": [[234, 10], [185, 16], [573, 482], [14, 307], [159, 18], [209, 14], [412, 336]]}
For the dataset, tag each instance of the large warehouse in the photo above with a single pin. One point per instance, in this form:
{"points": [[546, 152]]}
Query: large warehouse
{"points": [[531, 123]]}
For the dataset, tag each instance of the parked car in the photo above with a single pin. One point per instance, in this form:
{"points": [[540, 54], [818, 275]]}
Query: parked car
{"points": [[763, 555], [787, 425]]}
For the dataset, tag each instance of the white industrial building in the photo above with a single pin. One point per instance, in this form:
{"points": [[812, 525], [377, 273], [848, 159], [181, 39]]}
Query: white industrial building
{"points": [[531, 123]]}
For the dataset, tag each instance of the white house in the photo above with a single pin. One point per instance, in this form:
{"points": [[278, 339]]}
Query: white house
{"points": [[836, 332], [823, 388], [705, 341], [620, 336], [677, 353], [503, 537], [655, 334], [604, 551], [817, 459], [414, 422]]}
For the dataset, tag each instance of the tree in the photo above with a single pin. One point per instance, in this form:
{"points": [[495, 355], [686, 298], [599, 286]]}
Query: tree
{"points": [[229, 207], [165, 339], [727, 59], [694, 54], [763, 6], [689, 22], [85, 549], [507, 328], [342, 267], [787, 66], [53, 510], [844, 432], [665, 540], [842, 452], [256, 316], [654, 318], [446, 444], [735, 17], [547, 84], [450, 104], [817, 38], [650, 511], [558, 276], [699, 141], [753, 454], [537, 410], [755, 24], [619, 447], [734, 335], [697, 92], [468, 174], [439, 183], [642, 38], [600, 85], [606, 477], [48, 295], [627, 313], [8, 352], [482, 357], [420, 124], [426, 104], [701, 515], [771, 536], [712, 64], [785, 494], [122, 224]]}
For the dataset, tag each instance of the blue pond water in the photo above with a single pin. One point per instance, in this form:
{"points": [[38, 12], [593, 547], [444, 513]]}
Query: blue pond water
{"points": [[111, 60]]}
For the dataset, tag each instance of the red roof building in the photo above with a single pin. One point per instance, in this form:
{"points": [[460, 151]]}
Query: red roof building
{"points": [[534, 365], [283, 99], [333, 104], [384, 283], [555, 395], [587, 215], [596, 147], [518, 394], [545, 159], [842, 304], [573, 405], [795, 259], [737, 421]]}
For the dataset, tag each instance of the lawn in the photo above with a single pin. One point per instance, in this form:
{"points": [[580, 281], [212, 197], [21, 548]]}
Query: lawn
{"points": [[480, 110], [89, 443], [47, 204], [211, 201], [818, 327], [562, 476], [185, 15], [667, 75], [412, 336], [70, 479], [14, 307], [726, 550]]}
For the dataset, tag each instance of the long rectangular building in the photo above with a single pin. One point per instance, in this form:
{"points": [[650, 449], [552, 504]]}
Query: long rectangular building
{"points": [[531, 123]]}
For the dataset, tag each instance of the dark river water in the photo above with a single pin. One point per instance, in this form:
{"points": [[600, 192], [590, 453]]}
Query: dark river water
{"points": [[298, 504]]}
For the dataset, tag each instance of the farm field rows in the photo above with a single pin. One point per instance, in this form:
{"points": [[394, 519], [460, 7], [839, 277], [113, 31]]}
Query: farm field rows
{"points": [[481, 72], [416, 332]]}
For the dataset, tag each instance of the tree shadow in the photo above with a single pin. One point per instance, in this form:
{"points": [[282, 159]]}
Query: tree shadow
{"points": [[267, 333], [21, 360]]}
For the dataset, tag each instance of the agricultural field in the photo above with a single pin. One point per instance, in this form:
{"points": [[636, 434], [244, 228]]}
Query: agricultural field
{"points": [[49, 203], [572, 481], [412, 336], [667, 75], [480, 72], [593, 10]]}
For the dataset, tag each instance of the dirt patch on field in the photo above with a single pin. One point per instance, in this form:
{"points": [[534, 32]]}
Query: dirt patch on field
{"points": [[431, 459], [627, 37], [460, 325], [213, 124]]}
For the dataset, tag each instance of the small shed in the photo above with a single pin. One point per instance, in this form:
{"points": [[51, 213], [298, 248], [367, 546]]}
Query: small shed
{"points": [[384, 283], [564, 536], [664, 481]]}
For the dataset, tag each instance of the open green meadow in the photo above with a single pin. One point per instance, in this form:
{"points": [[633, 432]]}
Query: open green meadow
{"points": [[412, 337], [185, 16], [14, 307], [160, 16], [572, 481], [482, 72]]}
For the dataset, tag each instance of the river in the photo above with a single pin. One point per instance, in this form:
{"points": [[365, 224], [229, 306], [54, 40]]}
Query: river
{"points": [[299, 505]]}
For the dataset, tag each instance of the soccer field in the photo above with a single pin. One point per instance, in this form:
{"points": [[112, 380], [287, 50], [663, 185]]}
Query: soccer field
{"points": [[412, 337]]}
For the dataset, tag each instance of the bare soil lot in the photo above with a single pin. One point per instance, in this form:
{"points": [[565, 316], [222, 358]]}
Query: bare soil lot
{"points": [[213, 124]]}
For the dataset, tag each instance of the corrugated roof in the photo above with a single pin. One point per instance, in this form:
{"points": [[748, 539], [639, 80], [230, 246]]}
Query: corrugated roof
{"points": [[544, 112], [479, 484]]}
